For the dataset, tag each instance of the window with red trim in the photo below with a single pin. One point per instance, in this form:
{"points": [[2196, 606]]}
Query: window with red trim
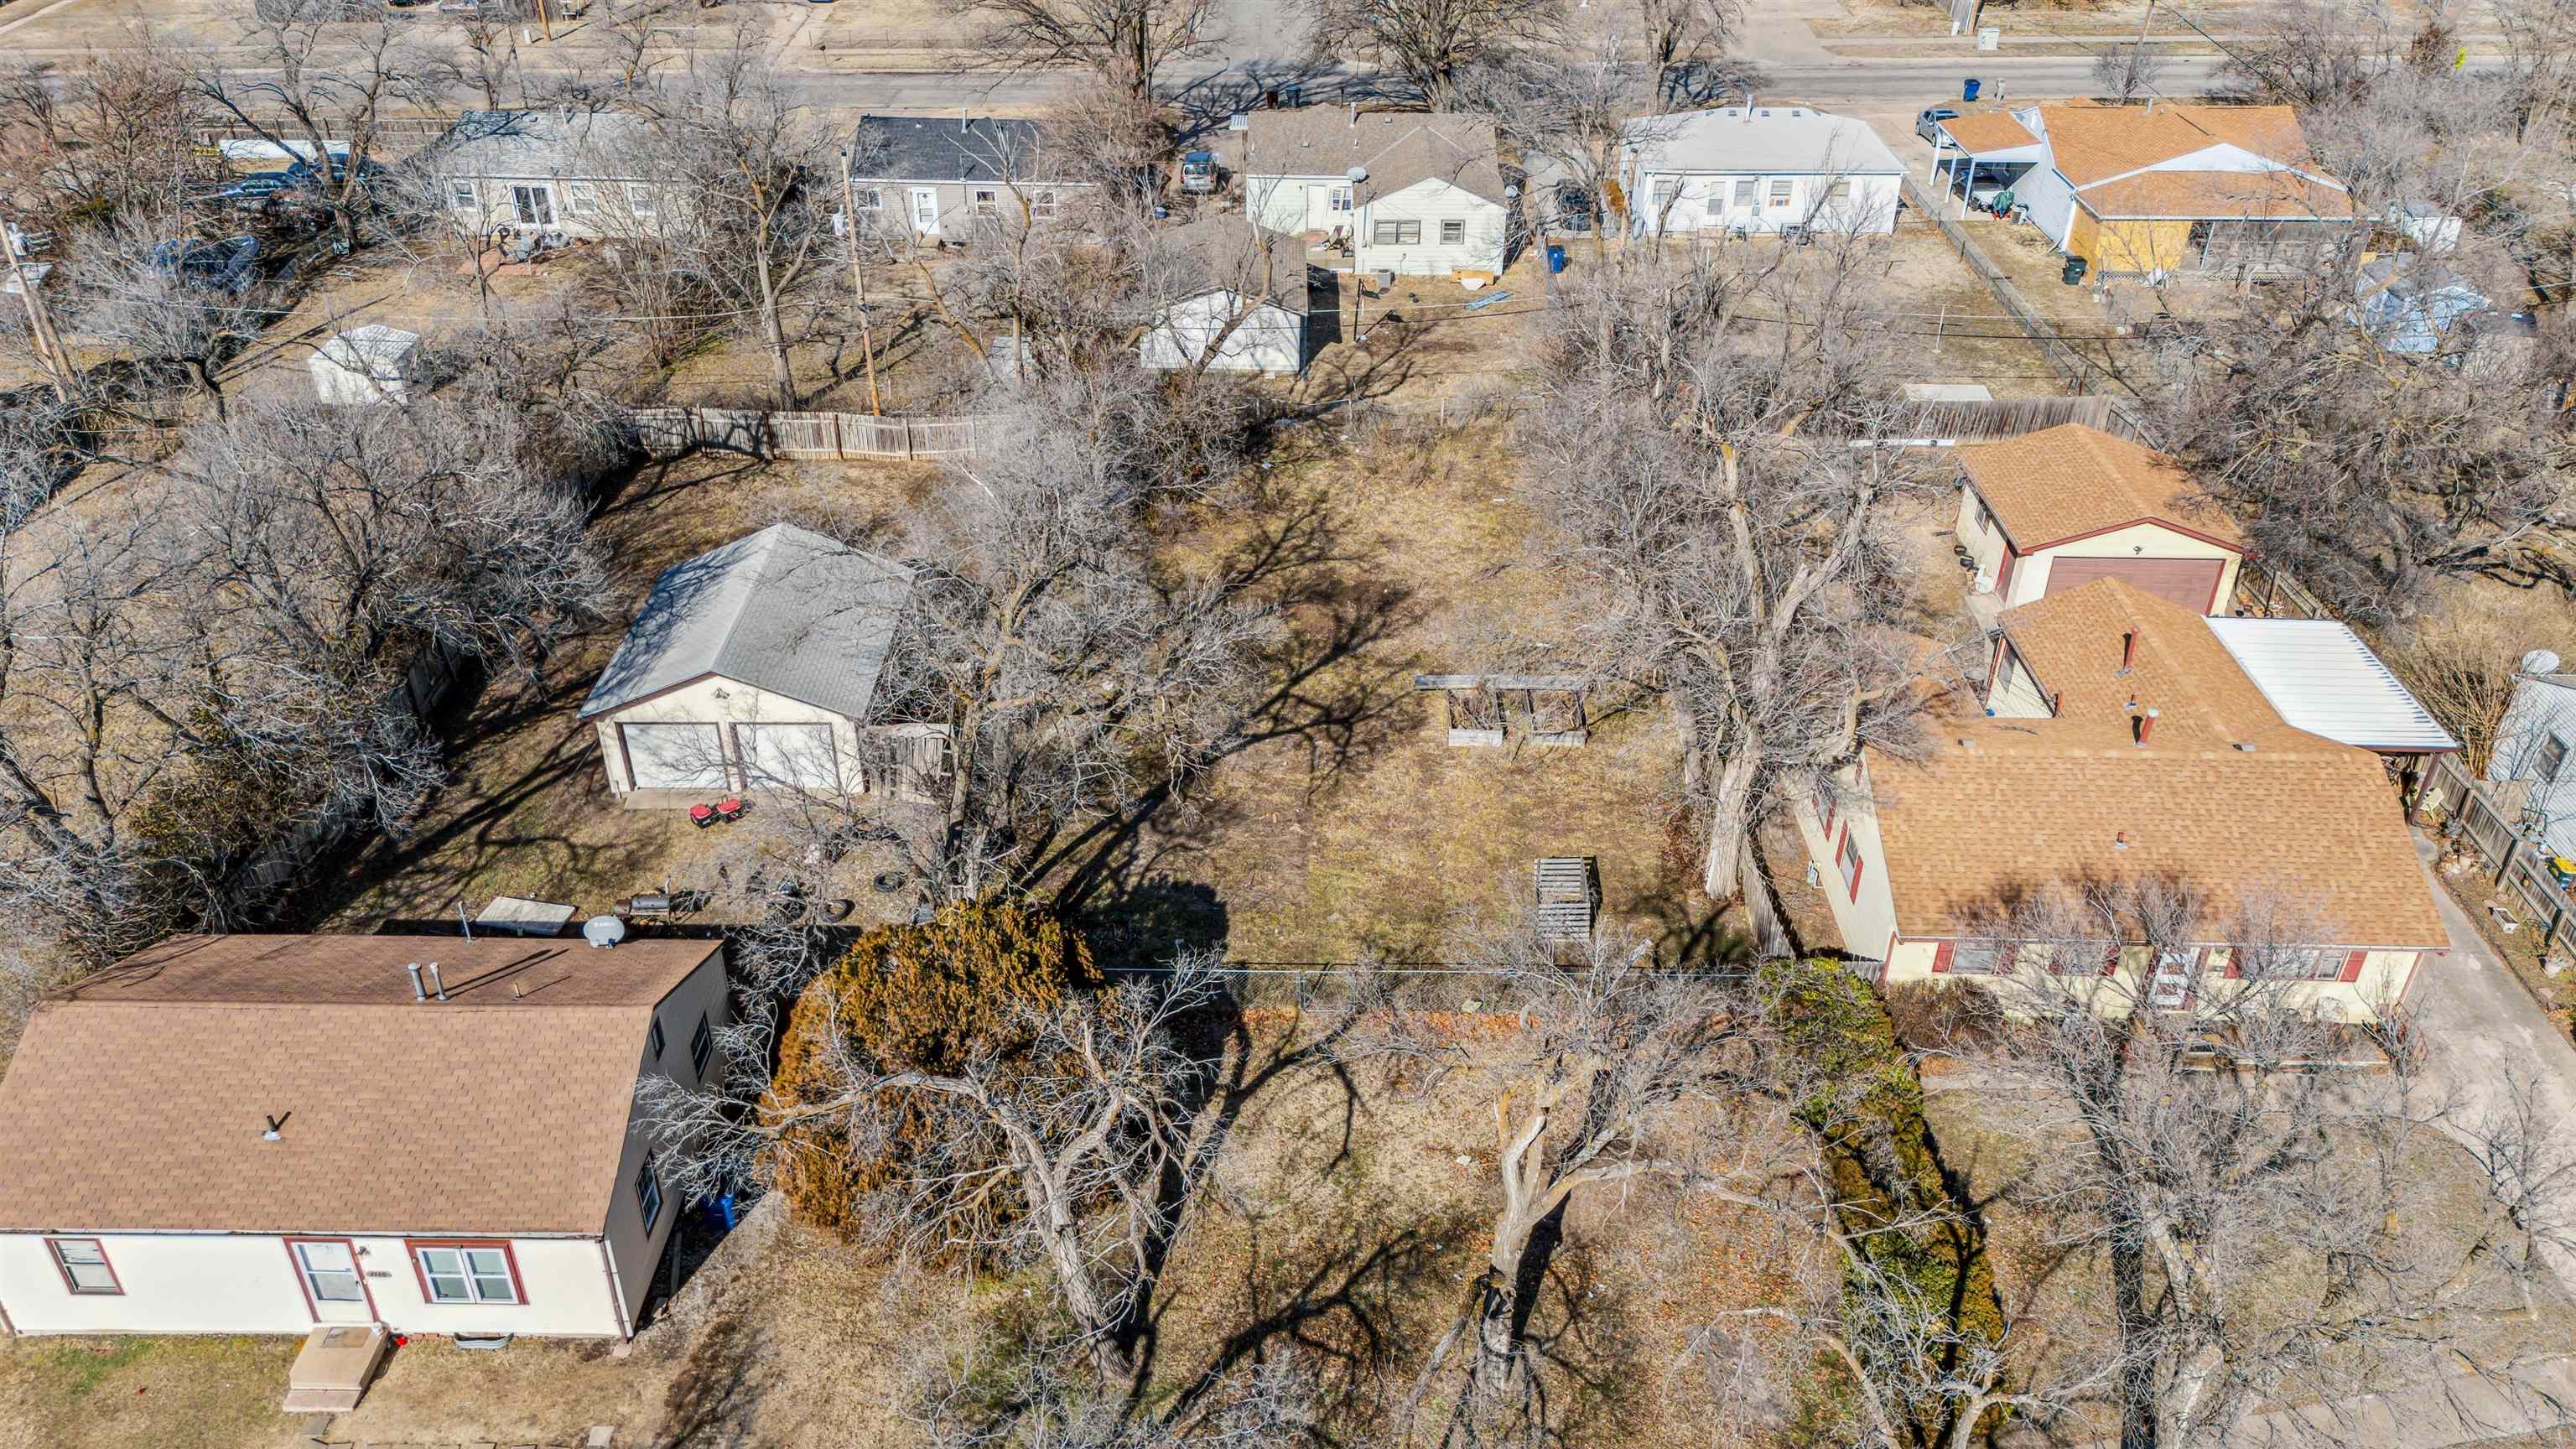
{"points": [[1848, 859], [1825, 805], [466, 1272], [84, 1266]]}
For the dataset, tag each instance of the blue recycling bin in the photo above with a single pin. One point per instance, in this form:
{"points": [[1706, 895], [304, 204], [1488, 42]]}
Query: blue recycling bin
{"points": [[1556, 256], [1968, 88]]}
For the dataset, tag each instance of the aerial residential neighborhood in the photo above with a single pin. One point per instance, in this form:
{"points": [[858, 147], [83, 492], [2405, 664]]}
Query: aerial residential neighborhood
{"points": [[1187, 724]]}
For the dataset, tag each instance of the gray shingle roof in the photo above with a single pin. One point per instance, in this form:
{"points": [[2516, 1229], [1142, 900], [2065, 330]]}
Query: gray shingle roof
{"points": [[783, 610], [932, 148], [1396, 148], [541, 144]]}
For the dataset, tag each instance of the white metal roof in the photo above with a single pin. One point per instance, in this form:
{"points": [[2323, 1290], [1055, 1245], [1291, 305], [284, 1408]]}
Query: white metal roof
{"points": [[2324, 680]]}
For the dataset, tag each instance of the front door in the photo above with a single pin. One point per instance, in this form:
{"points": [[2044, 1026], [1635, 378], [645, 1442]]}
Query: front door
{"points": [[534, 204], [2171, 989], [331, 1281], [925, 210]]}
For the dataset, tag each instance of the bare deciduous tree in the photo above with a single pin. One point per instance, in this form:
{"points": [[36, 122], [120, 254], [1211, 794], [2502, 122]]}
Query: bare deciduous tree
{"points": [[2129, 70], [141, 297], [110, 139], [1696, 470], [316, 83], [1430, 44], [1121, 41], [1687, 42]]}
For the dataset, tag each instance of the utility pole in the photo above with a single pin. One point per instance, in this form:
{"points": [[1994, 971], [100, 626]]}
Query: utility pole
{"points": [[40, 327], [2137, 53], [546, 20], [859, 283]]}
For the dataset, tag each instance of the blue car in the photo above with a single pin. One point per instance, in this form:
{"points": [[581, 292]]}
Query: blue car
{"points": [[227, 267]]}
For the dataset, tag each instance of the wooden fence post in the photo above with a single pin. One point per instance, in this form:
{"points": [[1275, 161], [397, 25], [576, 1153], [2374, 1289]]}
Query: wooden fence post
{"points": [[838, 452]]}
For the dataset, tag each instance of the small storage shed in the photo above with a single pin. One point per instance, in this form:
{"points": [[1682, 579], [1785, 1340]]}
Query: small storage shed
{"points": [[364, 365], [1253, 311], [2056, 509]]}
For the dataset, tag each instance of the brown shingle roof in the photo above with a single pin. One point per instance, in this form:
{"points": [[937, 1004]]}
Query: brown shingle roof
{"points": [[2200, 195], [2003, 806], [1989, 131], [2091, 143], [136, 1101], [1398, 148], [2069, 480]]}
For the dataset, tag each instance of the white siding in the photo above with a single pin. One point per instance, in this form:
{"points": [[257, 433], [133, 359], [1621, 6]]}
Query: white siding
{"points": [[2540, 712], [1716, 199], [1866, 919], [1982, 537], [1270, 339], [2387, 978], [2014, 693], [1428, 203], [1298, 203], [721, 702], [247, 1283], [580, 208], [2141, 540], [2050, 199]]}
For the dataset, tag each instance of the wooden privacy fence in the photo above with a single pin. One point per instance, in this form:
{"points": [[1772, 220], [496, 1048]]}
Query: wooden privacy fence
{"points": [[2008, 417], [804, 435], [2520, 868]]}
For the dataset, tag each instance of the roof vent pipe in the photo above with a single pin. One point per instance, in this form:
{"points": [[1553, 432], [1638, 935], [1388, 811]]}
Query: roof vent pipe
{"points": [[437, 984], [2128, 648], [2146, 727], [416, 993], [2057, 703]]}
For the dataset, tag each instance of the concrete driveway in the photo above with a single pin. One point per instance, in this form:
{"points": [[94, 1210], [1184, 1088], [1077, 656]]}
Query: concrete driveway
{"points": [[2488, 1035]]}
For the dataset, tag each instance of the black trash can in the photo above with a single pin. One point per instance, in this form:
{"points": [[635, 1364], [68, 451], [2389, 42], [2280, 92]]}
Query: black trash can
{"points": [[2073, 276]]}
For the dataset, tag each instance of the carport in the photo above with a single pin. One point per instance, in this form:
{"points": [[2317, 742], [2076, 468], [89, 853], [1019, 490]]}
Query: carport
{"points": [[1987, 152]]}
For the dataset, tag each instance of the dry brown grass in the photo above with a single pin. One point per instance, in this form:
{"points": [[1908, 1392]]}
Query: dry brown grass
{"points": [[527, 810]]}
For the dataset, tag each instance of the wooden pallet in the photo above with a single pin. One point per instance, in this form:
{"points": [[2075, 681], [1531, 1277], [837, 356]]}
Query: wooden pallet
{"points": [[1567, 899]]}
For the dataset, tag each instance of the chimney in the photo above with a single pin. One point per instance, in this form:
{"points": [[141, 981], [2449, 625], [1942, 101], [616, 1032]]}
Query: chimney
{"points": [[2128, 648], [437, 985], [2146, 727], [416, 993]]}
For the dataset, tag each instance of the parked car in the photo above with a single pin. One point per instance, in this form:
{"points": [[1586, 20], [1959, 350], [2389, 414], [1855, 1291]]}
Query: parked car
{"points": [[1198, 172], [227, 267], [252, 190], [306, 174], [1928, 124]]}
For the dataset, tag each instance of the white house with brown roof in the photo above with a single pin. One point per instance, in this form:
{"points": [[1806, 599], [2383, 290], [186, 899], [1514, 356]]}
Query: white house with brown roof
{"points": [[2056, 509], [1419, 195], [2159, 187], [259, 1134], [2117, 739]]}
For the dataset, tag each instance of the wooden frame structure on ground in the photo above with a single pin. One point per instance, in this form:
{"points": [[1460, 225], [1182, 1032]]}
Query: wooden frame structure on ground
{"points": [[1484, 709]]}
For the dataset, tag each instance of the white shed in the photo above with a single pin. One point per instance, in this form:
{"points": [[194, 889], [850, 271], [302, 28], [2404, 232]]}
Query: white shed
{"points": [[370, 364], [1247, 300]]}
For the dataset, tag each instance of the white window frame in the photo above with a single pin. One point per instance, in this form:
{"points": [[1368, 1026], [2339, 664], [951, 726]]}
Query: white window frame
{"points": [[1337, 199], [1042, 205], [581, 198], [464, 195], [1453, 233], [75, 1269], [985, 201], [1392, 234], [640, 201], [466, 1274], [1748, 194], [1784, 193], [869, 198]]}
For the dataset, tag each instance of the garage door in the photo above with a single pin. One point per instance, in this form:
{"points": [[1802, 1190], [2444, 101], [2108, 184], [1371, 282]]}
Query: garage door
{"points": [[795, 755], [2190, 582], [674, 756]]}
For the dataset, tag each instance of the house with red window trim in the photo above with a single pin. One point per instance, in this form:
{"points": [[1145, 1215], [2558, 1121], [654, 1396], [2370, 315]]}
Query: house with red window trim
{"points": [[2117, 738], [2054, 510], [261, 1134]]}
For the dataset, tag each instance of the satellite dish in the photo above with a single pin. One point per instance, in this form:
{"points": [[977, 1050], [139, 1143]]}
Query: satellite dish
{"points": [[1358, 174], [603, 931], [1511, 193], [2540, 661]]}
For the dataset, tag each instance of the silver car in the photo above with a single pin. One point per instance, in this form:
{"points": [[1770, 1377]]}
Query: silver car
{"points": [[1928, 124]]}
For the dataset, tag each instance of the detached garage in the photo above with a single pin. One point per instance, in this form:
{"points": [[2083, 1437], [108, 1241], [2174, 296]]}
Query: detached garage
{"points": [[2062, 507], [752, 667]]}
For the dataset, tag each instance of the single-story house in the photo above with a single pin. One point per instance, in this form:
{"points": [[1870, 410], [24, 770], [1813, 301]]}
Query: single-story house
{"points": [[1419, 195], [575, 172], [755, 666], [2529, 767], [2161, 187], [259, 1134], [2117, 740], [2056, 509], [945, 179], [1250, 301], [1757, 169]]}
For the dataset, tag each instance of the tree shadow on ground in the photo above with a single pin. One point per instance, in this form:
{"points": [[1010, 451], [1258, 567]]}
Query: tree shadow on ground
{"points": [[711, 1402]]}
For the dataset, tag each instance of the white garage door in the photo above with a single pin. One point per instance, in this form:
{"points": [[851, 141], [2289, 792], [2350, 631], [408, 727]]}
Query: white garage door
{"points": [[797, 755], [674, 756]]}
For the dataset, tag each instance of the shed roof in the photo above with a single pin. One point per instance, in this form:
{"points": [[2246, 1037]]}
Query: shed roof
{"points": [[136, 1099], [2071, 480], [1235, 256], [1766, 140], [784, 610], [2324, 679], [1396, 148], [955, 148], [2001, 807]]}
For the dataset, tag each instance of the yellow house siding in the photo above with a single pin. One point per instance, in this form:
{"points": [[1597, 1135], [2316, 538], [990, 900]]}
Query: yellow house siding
{"points": [[2084, 237], [1983, 541]]}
